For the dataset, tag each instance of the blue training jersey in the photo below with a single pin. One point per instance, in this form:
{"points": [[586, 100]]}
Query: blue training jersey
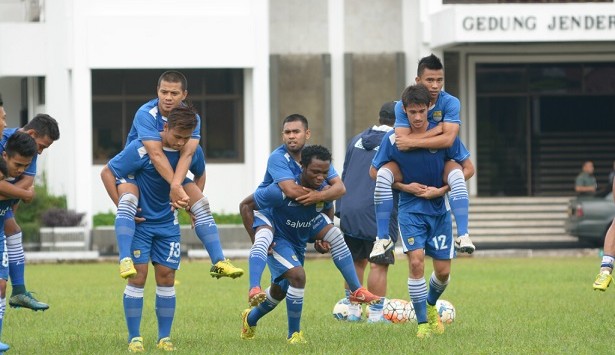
{"points": [[424, 166], [293, 221], [31, 169], [281, 166], [149, 122], [134, 162], [446, 109]]}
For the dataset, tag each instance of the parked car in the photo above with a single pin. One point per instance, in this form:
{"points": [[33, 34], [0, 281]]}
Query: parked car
{"points": [[590, 217]]}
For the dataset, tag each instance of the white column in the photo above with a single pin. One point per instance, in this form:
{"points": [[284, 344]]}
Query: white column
{"points": [[338, 109]]}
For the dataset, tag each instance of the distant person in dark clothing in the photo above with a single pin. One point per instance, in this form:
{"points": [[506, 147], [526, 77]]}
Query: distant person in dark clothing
{"points": [[357, 213], [585, 184]]}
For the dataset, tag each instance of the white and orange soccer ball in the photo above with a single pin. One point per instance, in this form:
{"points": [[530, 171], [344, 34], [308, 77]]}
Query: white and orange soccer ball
{"points": [[446, 310], [398, 311]]}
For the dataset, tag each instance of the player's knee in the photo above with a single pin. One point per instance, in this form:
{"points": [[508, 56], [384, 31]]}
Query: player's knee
{"points": [[276, 292], [384, 176], [129, 199], [296, 277], [334, 236], [201, 205]]}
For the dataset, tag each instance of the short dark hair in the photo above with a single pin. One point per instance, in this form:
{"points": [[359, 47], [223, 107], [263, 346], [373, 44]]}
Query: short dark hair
{"points": [[314, 151], [1, 103], [294, 118], [182, 117], [415, 94], [21, 143], [173, 76], [430, 62], [386, 116], [44, 126]]}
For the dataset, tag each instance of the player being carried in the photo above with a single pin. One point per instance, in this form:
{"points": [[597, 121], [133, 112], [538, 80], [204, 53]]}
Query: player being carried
{"points": [[282, 169], [444, 110], [424, 222], [149, 121], [157, 238], [296, 224], [19, 151]]}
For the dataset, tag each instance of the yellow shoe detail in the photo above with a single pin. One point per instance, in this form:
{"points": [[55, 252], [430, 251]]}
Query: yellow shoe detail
{"points": [[433, 318], [127, 268], [296, 338], [247, 331], [224, 268], [136, 345], [603, 280]]}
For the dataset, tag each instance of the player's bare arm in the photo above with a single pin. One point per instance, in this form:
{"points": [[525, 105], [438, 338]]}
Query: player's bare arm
{"points": [[163, 167], [405, 141], [185, 159], [335, 191], [23, 191], [108, 180], [246, 210]]}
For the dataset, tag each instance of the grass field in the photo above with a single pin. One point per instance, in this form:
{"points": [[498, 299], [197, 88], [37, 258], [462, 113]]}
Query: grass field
{"points": [[504, 305]]}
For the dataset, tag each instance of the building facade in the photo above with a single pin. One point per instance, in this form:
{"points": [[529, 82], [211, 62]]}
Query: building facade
{"points": [[536, 81]]}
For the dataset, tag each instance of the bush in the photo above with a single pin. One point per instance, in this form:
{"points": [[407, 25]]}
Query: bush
{"points": [[28, 215], [60, 217], [108, 218]]}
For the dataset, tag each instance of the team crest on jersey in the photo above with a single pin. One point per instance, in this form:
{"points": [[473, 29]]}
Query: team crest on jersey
{"points": [[295, 257], [359, 144], [411, 241], [319, 206], [136, 253], [437, 116]]}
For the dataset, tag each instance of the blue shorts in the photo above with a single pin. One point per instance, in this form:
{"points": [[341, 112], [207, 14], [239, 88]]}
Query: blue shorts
{"points": [[4, 266], [262, 218], [10, 214], [432, 233], [160, 244], [286, 256]]}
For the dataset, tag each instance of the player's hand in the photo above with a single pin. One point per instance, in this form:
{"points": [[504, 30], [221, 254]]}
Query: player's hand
{"points": [[139, 219], [322, 247], [270, 250], [404, 143], [430, 193], [30, 194], [310, 198], [179, 198]]}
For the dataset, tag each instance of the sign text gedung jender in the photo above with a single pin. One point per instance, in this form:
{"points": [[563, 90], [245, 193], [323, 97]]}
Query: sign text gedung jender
{"points": [[533, 23]]}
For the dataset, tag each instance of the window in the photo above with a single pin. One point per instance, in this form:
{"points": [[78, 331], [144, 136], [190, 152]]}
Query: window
{"points": [[217, 95]]}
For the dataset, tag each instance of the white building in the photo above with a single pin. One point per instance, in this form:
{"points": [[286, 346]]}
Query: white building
{"points": [[536, 81]]}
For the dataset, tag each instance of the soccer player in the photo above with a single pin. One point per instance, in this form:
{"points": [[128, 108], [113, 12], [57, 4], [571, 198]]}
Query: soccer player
{"points": [[604, 277], [157, 238], [443, 110], [19, 151], [44, 129], [296, 224], [424, 222], [282, 168], [149, 120], [356, 211]]}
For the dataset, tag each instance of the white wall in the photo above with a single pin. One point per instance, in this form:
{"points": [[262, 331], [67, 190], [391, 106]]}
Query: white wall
{"points": [[78, 36]]}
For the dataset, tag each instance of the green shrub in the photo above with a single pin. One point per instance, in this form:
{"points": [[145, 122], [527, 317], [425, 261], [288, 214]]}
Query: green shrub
{"points": [[104, 219], [28, 215], [108, 218]]}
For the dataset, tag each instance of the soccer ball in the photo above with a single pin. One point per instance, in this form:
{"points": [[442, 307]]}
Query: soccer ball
{"points": [[446, 311], [398, 311], [340, 310]]}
